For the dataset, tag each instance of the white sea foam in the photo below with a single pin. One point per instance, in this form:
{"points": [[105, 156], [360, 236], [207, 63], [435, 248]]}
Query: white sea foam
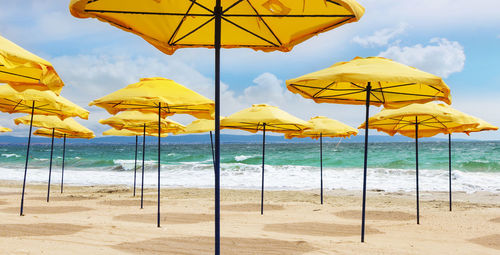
{"points": [[242, 157], [8, 155], [288, 177]]}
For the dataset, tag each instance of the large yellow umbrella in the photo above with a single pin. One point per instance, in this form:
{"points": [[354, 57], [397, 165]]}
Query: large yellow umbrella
{"points": [[4, 129], [147, 122], [263, 117], [53, 124], [24, 70], [324, 127], [420, 120], [370, 81], [258, 24], [78, 133], [33, 102]]}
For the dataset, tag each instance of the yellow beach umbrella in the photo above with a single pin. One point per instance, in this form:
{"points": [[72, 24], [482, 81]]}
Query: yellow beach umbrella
{"points": [[4, 129], [126, 132], [147, 122], [263, 117], [257, 24], [324, 127], [37, 102], [421, 120], [24, 70], [154, 94], [52, 126], [370, 81]]}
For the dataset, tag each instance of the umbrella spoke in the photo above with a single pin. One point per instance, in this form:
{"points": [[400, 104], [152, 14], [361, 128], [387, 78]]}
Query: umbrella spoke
{"points": [[265, 23], [250, 32], [196, 29], [180, 23]]}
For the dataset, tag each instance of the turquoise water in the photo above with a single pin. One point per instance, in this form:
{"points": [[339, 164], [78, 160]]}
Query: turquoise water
{"points": [[391, 166], [467, 156]]}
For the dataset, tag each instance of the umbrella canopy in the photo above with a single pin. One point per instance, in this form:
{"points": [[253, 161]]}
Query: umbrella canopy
{"points": [[137, 121], [67, 126], [47, 132], [146, 95], [431, 118], [265, 25], [198, 126], [325, 127], [392, 84], [253, 119], [44, 102], [24, 70], [4, 129], [126, 132], [483, 126]]}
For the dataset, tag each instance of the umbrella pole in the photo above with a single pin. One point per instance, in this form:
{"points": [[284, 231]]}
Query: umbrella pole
{"points": [[449, 164], [416, 172], [217, 46], [321, 162], [159, 162], [212, 144], [263, 159], [50, 165], [143, 154], [27, 157], [135, 163], [64, 154], [368, 91]]}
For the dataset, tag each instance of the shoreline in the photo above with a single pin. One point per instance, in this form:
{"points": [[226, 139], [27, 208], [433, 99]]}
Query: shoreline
{"points": [[106, 219]]}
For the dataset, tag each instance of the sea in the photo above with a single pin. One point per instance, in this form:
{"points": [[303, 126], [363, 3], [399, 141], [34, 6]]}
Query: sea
{"points": [[288, 166]]}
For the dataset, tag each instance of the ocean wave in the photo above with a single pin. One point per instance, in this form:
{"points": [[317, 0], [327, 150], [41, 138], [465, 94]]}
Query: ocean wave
{"points": [[240, 158], [8, 155]]}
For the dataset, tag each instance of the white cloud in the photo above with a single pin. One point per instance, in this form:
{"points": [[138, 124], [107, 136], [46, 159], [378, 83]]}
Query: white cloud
{"points": [[440, 57], [380, 37]]}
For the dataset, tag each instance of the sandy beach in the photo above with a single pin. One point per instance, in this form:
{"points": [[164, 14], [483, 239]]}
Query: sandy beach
{"points": [[108, 220]]}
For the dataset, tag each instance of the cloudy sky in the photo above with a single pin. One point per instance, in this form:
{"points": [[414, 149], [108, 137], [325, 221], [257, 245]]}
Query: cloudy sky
{"points": [[455, 39]]}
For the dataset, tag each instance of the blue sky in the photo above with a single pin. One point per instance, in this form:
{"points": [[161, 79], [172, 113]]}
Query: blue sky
{"points": [[456, 39]]}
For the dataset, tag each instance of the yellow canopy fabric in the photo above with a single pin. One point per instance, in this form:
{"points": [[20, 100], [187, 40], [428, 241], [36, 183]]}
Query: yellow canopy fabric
{"points": [[265, 25], [198, 126], [135, 121], [126, 132], [145, 96], [252, 120], [483, 126], [68, 125], [4, 129], [46, 103], [24, 70], [432, 119], [47, 132], [392, 84], [326, 127]]}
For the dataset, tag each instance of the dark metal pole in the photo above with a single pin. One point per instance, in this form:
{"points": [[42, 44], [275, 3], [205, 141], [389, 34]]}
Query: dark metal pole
{"points": [[321, 162], [159, 162], [416, 157], [27, 157], [143, 154], [368, 91], [212, 144], [449, 164], [64, 154], [217, 45], [263, 159], [50, 164], [135, 164]]}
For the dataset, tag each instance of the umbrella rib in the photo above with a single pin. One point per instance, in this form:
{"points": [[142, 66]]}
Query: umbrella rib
{"points": [[231, 6], [440, 122], [409, 94], [312, 87], [196, 29], [15, 106], [371, 93], [20, 75], [359, 86], [265, 23], [323, 89], [202, 6], [180, 24], [250, 32], [151, 13], [381, 91], [399, 85]]}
